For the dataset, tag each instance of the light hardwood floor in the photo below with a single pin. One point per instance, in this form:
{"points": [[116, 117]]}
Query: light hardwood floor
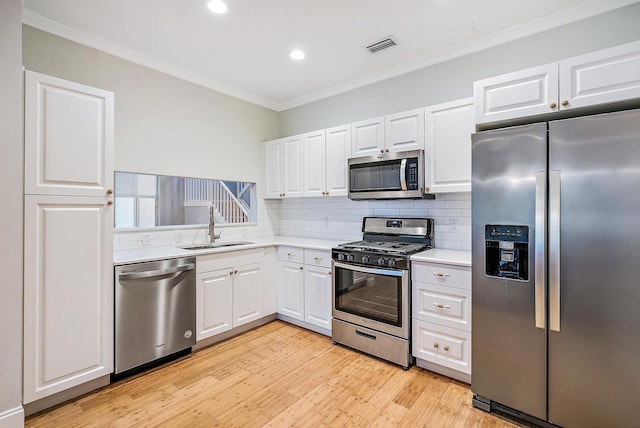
{"points": [[277, 375]]}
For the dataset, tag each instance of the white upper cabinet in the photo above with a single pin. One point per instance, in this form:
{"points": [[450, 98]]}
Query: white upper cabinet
{"points": [[367, 137], [273, 169], [522, 93], [338, 149], [404, 131], [293, 162], [448, 146], [314, 163], [68, 137], [601, 77], [604, 76]]}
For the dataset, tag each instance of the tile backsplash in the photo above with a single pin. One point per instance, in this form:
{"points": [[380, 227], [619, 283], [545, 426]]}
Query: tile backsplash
{"points": [[337, 218], [341, 218]]}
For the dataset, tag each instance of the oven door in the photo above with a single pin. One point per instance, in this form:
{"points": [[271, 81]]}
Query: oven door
{"points": [[372, 297]]}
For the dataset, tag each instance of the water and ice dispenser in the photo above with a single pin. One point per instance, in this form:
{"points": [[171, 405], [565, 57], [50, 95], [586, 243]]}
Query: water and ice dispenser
{"points": [[507, 251]]}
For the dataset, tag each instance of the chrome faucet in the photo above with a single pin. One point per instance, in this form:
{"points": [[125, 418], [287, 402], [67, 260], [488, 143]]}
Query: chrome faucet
{"points": [[212, 225]]}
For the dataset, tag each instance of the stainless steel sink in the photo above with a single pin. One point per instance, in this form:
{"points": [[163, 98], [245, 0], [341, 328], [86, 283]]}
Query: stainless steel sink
{"points": [[216, 245]]}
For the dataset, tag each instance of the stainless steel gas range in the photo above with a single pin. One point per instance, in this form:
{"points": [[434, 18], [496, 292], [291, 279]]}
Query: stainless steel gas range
{"points": [[372, 287]]}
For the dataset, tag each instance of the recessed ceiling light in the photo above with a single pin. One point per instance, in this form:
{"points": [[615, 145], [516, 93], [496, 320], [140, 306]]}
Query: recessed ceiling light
{"points": [[297, 54], [217, 6]]}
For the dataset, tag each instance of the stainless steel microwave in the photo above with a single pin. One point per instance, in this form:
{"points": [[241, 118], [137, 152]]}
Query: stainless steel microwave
{"points": [[398, 175]]}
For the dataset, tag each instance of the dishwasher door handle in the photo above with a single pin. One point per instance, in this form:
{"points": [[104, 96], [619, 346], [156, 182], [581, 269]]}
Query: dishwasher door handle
{"points": [[159, 272]]}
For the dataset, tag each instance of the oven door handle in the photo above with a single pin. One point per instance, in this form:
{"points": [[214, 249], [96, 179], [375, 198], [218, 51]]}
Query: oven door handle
{"points": [[387, 272]]}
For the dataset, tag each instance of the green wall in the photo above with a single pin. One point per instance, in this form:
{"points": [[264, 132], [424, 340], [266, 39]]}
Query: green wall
{"points": [[454, 79], [163, 124]]}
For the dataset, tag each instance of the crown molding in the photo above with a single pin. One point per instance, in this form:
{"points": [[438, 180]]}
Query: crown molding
{"points": [[539, 25], [45, 24], [577, 13]]}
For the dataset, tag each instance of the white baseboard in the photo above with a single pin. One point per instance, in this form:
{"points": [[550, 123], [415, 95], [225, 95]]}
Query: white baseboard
{"points": [[463, 377], [12, 418]]}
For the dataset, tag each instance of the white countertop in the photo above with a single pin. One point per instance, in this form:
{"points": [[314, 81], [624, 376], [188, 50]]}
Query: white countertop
{"points": [[156, 253], [449, 257], [435, 255]]}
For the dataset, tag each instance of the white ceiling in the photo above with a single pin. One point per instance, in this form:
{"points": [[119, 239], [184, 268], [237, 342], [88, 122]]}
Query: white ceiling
{"points": [[245, 52]]}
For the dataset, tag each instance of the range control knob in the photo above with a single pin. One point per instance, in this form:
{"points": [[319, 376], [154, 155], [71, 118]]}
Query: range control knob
{"points": [[382, 261], [341, 257], [392, 262], [350, 257], [365, 259]]}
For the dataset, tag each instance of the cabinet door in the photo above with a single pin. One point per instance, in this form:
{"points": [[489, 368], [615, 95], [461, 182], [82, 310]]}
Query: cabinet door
{"points": [[68, 137], [273, 169], [519, 94], [601, 77], [448, 146], [338, 149], [247, 294], [293, 162], [214, 300], [404, 131], [314, 163], [68, 293], [291, 290], [367, 137], [317, 296]]}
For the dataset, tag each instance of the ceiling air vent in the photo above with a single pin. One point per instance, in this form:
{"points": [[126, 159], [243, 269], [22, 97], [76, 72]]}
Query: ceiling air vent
{"points": [[385, 43]]}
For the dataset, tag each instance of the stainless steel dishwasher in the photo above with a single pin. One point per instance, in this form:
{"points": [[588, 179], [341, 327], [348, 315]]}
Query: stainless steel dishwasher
{"points": [[155, 311]]}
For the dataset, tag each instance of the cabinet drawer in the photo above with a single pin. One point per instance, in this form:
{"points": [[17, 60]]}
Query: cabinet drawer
{"points": [[317, 258], [440, 274], [291, 254], [442, 305], [448, 347], [217, 261]]}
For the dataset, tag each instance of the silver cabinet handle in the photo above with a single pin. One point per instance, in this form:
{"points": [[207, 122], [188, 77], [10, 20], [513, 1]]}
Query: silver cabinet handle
{"points": [[159, 272], [441, 306], [441, 275], [554, 250], [403, 174], [539, 268]]}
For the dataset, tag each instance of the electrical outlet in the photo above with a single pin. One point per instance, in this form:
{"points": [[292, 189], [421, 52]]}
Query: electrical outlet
{"points": [[326, 222], [146, 240], [244, 232], [178, 237], [453, 225]]}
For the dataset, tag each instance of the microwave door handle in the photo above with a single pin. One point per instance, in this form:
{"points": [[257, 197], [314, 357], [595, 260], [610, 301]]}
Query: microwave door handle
{"points": [[403, 174]]}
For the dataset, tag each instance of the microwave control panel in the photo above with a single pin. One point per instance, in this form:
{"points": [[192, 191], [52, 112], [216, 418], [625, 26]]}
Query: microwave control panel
{"points": [[412, 174]]}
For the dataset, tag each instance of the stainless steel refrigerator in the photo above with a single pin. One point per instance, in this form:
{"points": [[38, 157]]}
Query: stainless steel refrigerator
{"points": [[556, 270]]}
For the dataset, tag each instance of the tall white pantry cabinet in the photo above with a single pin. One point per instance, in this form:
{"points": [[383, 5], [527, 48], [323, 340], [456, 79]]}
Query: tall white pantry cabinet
{"points": [[68, 235]]}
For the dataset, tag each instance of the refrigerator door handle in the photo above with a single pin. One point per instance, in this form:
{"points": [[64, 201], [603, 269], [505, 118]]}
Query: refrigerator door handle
{"points": [[554, 250], [540, 235]]}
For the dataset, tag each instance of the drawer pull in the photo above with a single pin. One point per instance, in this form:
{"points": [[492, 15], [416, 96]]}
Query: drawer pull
{"points": [[441, 275], [446, 348], [317, 258], [290, 254], [365, 335], [435, 345], [301, 268], [441, 306]]}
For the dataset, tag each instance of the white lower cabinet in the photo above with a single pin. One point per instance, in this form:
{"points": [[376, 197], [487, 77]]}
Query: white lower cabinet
{"points": [[441, 318], [304, 286], [68, 292], [291, 290], [229, 291], [317, 293]]}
